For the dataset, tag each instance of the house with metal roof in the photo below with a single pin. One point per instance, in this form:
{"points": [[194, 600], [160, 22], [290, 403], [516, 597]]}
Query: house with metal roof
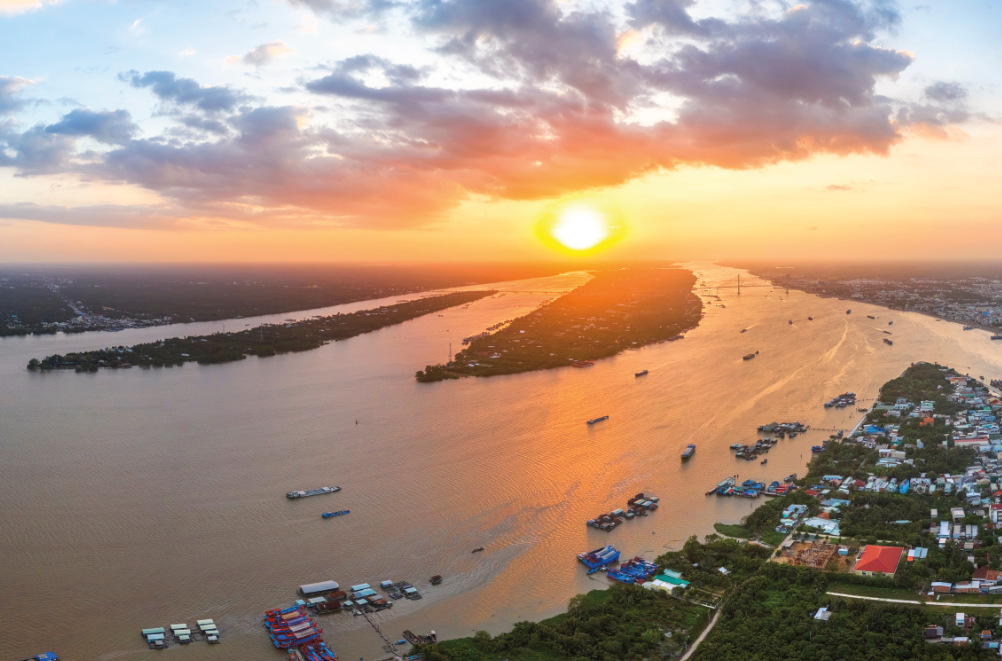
{"points": [[878, 560]]}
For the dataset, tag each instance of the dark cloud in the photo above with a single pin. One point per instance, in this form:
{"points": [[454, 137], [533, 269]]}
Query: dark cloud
{"points": [[185, 91], [113, 127]]}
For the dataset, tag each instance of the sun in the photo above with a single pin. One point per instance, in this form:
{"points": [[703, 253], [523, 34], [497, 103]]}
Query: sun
{"points": [[580, 228]]}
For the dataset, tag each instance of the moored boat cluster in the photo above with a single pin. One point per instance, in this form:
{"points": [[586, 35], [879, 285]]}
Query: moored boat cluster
{"points": [[639, 505]]}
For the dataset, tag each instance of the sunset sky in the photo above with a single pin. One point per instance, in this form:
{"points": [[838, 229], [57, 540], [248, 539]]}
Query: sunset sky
{"points": [[411, 130]]}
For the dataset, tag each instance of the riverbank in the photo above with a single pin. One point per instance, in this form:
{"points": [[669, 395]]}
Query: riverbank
{"points": [[262, 341], [615, 311], [763, 614]]}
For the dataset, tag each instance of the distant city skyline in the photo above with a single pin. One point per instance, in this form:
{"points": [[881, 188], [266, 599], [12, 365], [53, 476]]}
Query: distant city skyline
{"points": [[417, 130]]}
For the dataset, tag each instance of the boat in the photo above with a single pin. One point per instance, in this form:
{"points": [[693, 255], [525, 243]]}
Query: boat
{"points": [[582, 363], [810, 319], [641, 373], [848, 311], [312, 492], [331, 515], [748, 356], [599, 557], [599, 419], [744, 330], [477, 550], [870, 316], [790, 478], [689, 451], [790, 322], [997, 337], [736, 446], [418, 639], [764, 461], [886, 341], [968, 327], [817, 448], [435, 580]]}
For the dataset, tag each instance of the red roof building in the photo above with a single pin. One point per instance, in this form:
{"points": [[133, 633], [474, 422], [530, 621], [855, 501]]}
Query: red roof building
{"points": [[878, 561]]}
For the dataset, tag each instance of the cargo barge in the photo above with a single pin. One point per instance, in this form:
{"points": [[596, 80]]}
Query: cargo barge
{"points": [[292, 495]]}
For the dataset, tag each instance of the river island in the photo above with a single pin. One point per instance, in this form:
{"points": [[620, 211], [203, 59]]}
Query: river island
{"points": [[261, 341], [616, 310], [887, 549]]}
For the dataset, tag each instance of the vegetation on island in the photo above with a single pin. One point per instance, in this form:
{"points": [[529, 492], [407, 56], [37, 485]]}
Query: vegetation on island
{"points": [[616, 310], [262, 341]]}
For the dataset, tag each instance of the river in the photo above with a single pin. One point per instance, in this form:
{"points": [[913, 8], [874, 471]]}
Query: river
{"points": [[134, 499]]}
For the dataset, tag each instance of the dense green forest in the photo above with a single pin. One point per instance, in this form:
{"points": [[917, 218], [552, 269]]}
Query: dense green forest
{"points": [[262, 341], [617, 310]]}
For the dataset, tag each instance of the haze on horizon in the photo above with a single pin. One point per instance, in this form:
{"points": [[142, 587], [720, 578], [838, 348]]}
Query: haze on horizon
{"points": [[431, 130]]}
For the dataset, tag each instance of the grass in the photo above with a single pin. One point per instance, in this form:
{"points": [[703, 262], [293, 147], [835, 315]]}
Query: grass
{"points": [[732, 530], [773, 538]]}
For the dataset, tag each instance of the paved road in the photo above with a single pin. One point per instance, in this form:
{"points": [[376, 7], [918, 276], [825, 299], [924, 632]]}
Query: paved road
{"points": [[915, 602], [702, 636]]}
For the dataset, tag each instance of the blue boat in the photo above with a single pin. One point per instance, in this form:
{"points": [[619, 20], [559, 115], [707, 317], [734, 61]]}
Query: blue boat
{"points": [[817, 448], [689, 451], [331, 515], [599, 557]]}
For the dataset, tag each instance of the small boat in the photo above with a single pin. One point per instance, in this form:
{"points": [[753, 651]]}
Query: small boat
{"points": [[331, 515], [848, 311], [886, 341], [641, 373], [599, 419], [749, 356], [890, 323], [790, 478], [689, 451], [810, 319], [477, 550], [744, 330], [870, 316], [435, 580], [968, 327], [790, 322], [764, 461]]}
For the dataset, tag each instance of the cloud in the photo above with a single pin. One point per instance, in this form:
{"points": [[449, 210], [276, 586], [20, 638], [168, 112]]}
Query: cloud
{"points": [[946, 92], [342, 9], [21, 6], [528, 99], [838, 187], [185, 91], [266, 54], [10, 90], [110, 127]]}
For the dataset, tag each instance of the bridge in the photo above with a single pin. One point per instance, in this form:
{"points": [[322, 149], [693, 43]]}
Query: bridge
{"points": [[736, 284]]}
